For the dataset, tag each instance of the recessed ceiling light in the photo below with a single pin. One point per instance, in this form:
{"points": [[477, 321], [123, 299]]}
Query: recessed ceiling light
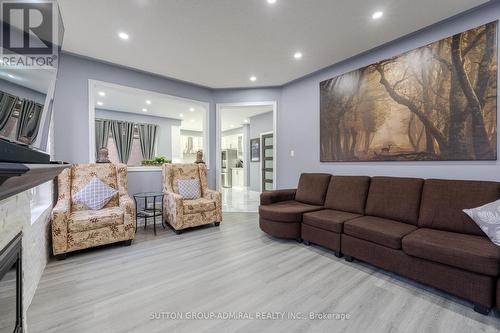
{"points": [[123, 35], [232, 126], [100, 103], [192, 120], [144, 110], [191, 109], [102, 93], [11, 76], [271, 2], [148, 102], [377, 15], [297, 55], [181, 115], [247, 121], [253, 78]]}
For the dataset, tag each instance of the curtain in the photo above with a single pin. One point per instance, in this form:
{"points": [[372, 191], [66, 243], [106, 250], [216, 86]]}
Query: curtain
{"points": [[7, 104], [101, 135], [29, 118], [123, 134], [147, 137]]}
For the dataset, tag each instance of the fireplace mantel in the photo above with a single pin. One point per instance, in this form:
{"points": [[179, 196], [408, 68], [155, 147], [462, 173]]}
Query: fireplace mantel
{"points": [[17, 177]]}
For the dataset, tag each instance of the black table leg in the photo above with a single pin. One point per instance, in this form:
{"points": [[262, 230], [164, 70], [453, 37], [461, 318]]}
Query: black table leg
{"points": [[154, 216], [136, 217], [145, 215]]}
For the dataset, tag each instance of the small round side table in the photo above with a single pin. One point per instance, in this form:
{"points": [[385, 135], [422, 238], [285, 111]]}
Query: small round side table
{"points": [[151, 201]]}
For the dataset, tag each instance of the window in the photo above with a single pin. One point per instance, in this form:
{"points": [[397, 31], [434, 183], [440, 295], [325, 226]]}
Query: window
{"points": [[135, 158], [41, 200], [190, 144]]}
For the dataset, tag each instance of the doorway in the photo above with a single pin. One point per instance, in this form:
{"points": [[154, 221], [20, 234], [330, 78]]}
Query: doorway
{"points": [[245, 151]]}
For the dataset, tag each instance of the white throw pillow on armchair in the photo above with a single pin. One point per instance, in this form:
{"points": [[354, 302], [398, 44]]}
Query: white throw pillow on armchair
{"points": [[487, 217], [95, 195]]}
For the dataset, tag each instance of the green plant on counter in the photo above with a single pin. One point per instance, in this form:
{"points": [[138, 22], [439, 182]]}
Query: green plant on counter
{"points": [[159, 160]]}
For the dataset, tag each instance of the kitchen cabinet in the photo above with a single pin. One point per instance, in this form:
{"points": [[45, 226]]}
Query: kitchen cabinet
{"points": [[238, 177]]}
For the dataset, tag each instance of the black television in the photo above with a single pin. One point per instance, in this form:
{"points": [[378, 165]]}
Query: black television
{"points": [[29, 61]]}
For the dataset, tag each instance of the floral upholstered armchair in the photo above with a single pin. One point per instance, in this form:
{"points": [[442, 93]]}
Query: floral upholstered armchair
{"points": [[181, 213], [74, 227]]}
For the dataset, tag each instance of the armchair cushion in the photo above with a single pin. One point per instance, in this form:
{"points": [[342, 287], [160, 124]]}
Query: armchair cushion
{"points": [[81, 174], [198, 205], [84, 220], [95, 194], [189, 188]]}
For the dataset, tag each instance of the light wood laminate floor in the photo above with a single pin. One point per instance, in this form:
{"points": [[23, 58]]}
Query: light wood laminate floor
{"points": [[235, 268]]}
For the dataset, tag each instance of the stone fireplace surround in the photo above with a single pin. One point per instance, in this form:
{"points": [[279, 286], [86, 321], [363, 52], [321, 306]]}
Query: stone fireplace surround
{"points": [[16, 218]]}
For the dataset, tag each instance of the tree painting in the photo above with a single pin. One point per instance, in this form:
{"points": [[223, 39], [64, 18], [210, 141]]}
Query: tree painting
{"points": [[437, 102]]}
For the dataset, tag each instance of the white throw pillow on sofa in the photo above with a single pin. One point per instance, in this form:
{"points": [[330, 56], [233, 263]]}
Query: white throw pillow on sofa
{"points": [[95, 195], [487, 217]]}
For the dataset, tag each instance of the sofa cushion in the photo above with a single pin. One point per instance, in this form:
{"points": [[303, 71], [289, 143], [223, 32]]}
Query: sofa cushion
{"points": [[394, 198], [328, 219], [347, 193], [198, 205], [189, 188], [95, 195], [312, 188], [84, 220], [444, 200], [286, 211], [469, 252], [487, 217], [378, 230]]}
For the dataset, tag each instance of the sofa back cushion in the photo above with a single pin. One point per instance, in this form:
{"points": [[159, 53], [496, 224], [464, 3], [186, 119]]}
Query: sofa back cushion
{"points": [[347, 193], [443, 201], [395, 198], [312, 188], [81, 175], [172, 173]]}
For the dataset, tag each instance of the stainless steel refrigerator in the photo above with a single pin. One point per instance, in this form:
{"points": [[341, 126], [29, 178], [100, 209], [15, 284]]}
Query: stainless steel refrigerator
{"points": [[229, 159]]}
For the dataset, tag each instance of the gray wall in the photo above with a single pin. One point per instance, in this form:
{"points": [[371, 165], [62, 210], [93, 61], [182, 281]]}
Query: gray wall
{"points": [[259, 124], [298, 109], [164, 143], [299, 115], [71, 115]]}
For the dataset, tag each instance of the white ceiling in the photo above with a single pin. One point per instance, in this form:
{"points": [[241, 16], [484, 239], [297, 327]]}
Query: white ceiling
{"points": [[133, 101], [221, 43], [234, 117], [38, 80]]}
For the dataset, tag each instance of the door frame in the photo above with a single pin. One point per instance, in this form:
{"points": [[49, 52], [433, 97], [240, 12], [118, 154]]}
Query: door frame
{"points": [[218, 135]]}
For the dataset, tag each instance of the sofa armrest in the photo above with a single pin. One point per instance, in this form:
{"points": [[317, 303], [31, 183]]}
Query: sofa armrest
{"points": [[270, 197], [128, 207], [59, 225], [217, 197], [173, 211]]}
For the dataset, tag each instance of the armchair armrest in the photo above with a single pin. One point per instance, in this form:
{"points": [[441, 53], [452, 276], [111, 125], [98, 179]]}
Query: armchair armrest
{"points": [[217, 197], [267, 198], [128, 207], [59, 224], [173, 210]]}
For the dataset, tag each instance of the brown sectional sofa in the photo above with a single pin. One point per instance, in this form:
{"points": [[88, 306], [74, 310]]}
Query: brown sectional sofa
{"points": [[410, 226]]}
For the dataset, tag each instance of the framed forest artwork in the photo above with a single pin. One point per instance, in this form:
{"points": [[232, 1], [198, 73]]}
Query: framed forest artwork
{"points": [[437, 102]]}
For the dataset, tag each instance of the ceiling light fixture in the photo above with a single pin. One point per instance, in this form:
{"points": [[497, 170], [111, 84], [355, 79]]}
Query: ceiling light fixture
{"points": [[246, 121], [148, 102], [253, 78], [191, 109], [181, 115], [100, 103], [377, 15], [297, 55], [232, 126], [11, 76], [102, 93], [271, 2], [192, 120], [123, 35], [144, 110]]}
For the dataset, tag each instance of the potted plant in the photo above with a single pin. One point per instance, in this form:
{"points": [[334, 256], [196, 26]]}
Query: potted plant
{"points": [[157, 161]]}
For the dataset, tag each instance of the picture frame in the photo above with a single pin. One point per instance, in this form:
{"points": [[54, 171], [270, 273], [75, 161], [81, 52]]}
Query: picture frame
{"points": [[255, 150]]}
